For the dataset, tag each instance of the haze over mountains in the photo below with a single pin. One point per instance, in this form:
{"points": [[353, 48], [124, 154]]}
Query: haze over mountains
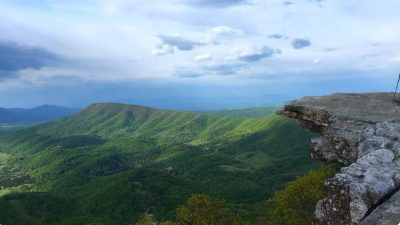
{"points": [[46, 113], [41, 113]]}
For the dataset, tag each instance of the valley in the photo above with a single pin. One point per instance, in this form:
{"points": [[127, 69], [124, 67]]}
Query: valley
{"points": [[112, 163]]}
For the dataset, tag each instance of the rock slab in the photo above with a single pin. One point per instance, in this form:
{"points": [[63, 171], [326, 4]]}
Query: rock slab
{"points": [[361, 131]]}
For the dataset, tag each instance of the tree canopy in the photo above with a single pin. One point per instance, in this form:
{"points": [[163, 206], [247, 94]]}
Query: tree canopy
{"points": [[200, 210], [295, 205]]}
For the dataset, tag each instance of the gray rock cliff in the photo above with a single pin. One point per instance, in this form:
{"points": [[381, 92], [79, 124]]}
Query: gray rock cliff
{"points": [[361, 131]]}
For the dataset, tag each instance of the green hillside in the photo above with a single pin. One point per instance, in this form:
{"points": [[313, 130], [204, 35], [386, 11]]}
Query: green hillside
{"points": [[112, 163]]}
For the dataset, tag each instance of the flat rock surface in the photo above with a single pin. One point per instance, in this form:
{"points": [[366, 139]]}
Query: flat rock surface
{"points": [[370, 107], [361, 131]]}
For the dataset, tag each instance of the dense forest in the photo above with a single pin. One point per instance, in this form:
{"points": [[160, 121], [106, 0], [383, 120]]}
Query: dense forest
{"points": [[122, 164]]}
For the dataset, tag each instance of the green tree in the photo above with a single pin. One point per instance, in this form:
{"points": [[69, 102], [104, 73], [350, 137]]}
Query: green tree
{"points": [[295, 205], [201, 210]]}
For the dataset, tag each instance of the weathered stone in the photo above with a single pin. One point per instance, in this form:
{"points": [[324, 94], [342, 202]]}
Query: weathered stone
{"points": [[386, 214], [321, 148], [362, 131]]}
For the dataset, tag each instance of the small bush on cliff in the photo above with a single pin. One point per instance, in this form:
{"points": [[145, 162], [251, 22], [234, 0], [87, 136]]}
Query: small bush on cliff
{"points": [[295, 205]]}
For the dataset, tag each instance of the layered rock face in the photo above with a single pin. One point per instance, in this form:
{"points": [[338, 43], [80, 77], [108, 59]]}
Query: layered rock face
{"points": [[361, 131]]}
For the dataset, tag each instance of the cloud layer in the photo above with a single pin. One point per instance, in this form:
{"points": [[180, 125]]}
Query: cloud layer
{"points": [[225, 41], [15, 57], [223, 69], [219, 34]]}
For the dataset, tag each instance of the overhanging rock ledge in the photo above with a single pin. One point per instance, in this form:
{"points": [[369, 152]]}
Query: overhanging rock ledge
{"points": [[361, 131]]}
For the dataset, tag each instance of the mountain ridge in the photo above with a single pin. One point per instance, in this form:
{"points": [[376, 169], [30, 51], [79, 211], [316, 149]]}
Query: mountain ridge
{"points": [[132, 159], [42, 113]]}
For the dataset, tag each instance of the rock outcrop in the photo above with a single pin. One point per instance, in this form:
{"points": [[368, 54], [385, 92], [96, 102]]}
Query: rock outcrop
{"points": [[361, 131]]}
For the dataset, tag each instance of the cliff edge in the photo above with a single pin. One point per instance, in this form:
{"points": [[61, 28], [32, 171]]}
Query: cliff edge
{"points": [[361, 131]]}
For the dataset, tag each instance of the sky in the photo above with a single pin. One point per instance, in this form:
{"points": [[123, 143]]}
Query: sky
{"points": [[194, 54]]}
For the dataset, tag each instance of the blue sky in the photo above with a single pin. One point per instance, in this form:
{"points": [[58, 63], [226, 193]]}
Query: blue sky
{"points": [[197, 54]]}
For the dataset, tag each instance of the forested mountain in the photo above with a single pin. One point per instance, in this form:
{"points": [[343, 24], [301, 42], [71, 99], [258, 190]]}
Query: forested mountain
{"points": [[38, 114], [112, 163]]}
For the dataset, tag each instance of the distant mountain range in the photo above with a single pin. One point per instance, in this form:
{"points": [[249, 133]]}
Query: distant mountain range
{"points": [[45, 113], [41, 113]]}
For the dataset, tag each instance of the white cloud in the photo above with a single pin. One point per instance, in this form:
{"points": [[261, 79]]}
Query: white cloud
{"points": [[203, 57], [162, 49], [216, 35], [252, 54], [179, 42], [216, 3], [395, 59], [171, 42], [217, 69], [278, 36]]}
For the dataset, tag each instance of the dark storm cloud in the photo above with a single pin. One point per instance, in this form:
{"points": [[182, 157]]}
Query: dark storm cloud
{"points": [[300, 43], [15, 57]]}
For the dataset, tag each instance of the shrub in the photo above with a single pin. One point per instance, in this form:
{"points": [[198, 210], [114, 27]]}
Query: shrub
{"points": [[295, 205]]}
